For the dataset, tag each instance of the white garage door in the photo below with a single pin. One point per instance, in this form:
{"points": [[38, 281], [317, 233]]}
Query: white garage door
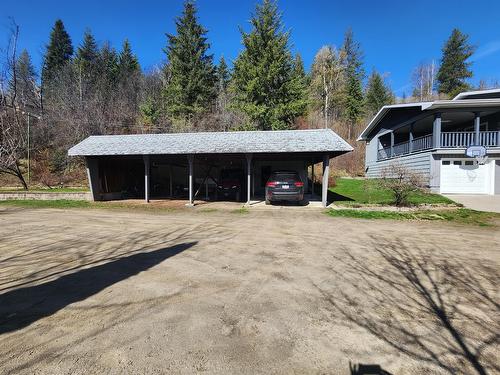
{"points": [[463, 177]]}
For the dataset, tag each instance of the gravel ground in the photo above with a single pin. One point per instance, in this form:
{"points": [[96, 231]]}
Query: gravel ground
{"points": [[283, 292]]}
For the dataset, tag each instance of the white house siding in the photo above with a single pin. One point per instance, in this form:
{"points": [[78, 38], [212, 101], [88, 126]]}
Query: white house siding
{"points": [[436, 169], [497, 176]]}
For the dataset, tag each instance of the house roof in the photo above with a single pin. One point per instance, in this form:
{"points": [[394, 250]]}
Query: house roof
{"points": [[484, 99], [314, 140], [480, 94]]}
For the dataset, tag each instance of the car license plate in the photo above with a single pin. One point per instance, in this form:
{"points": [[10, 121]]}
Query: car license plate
{"points": [[285, 186]]}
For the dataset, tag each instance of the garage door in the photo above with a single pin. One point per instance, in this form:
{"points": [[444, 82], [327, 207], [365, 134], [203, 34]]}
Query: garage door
{"points": [[464, 177]]}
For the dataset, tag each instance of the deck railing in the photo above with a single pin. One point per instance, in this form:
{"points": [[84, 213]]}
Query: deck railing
{"points": [[422, 143], [489, 138], [447, 140], [466, 139]]}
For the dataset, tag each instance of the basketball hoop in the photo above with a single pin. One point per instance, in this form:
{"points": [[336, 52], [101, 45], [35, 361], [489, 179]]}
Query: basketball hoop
{"points": [[480, 160], [478, 153]]}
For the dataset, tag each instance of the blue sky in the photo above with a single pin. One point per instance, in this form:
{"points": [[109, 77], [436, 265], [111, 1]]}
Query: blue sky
{"points": [[395, 35]]}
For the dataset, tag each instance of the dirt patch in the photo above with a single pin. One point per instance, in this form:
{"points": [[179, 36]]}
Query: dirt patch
{"points": [[98, 291]]}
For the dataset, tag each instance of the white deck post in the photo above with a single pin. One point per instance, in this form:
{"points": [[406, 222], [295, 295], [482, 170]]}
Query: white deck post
{"points": [[392, 144], [324, 187], [249, 176], [191, 162], [477, 128], [147, 179], [436, 131], [410, 140]]}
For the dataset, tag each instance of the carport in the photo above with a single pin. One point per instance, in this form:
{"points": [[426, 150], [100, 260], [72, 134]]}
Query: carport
{"points": [[161, 166]]}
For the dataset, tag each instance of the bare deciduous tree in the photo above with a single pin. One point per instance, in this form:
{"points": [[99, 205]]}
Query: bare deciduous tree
{"points": [[423, 78], [327, 79], [13, 137]]}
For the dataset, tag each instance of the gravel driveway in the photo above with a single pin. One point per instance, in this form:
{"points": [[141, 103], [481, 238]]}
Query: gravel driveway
{"points": [[112, 291]]}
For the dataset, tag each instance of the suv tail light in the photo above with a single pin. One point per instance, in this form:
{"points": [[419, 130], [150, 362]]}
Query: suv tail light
{"points": [[299, 184], [271, 184]]}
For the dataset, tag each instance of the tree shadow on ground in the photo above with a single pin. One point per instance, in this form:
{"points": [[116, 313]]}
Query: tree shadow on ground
{"points": [[21, 307], [440, 311]]}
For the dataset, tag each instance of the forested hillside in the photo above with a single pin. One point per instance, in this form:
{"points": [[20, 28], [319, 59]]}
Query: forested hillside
{"points": [[97, 88]]}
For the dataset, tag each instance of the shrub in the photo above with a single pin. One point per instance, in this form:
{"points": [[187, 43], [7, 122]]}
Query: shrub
{"points": [[401, 182]]}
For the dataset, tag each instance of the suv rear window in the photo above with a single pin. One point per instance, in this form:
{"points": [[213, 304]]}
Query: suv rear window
{"points": [[285, 176]]}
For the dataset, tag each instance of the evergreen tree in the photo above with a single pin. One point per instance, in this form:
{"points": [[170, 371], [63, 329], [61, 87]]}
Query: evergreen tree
{"points": [[223, 75], [87, 64], [455, 68], [108, 64], [351, 52], [378, 93], [25, 85], [88, 52], [127, 61], [264, 83], [191, 88], [59, 51], [298, 67]]}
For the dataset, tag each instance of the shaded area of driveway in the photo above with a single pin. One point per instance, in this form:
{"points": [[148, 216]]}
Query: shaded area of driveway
{"points": [[21, 307], [488, 203]]}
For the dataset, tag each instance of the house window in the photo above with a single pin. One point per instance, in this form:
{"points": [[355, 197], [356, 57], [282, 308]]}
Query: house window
{"points": [[446, 162], [457, 162]]}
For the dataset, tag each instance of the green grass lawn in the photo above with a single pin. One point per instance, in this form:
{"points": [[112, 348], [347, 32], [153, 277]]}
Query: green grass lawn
{"points": [[460, 215], [59, 203], [68, 203], [358, 192]]}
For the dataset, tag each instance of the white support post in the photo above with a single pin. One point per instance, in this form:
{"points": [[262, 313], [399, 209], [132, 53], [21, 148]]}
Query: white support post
{"points": [[312, 179], [326, 170], [171, 183], [410, 140], [436, 131], [190, 182], [392, 144], [477, 128], [147, 178], [249, 176], [93, 177]]}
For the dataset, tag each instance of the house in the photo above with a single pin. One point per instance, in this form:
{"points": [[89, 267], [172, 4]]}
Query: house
{"points": [[432, 137], [156, 166]]}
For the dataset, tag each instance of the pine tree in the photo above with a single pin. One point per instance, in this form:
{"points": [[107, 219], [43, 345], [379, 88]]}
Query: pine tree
{"points": [[127, 61], [191, 88], [378, 94], [351, 51], [223, 75], [25, 85], [264, 83], [298, 67], [59, 51], [87, 64], [108, 64], [455, 68]]}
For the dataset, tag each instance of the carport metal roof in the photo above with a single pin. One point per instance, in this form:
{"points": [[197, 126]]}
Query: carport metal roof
{"points": [[282, 141]]}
